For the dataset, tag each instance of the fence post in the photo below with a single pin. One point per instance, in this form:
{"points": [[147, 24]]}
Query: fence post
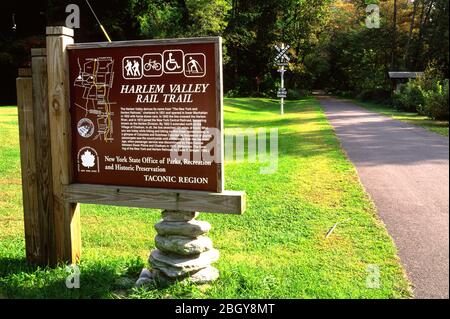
{"points": [[43, 156], [28, 165], [66, 215]]}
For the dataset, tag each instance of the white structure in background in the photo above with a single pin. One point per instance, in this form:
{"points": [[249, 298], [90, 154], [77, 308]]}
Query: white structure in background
{"points": [[282, 60], [373, 16]]}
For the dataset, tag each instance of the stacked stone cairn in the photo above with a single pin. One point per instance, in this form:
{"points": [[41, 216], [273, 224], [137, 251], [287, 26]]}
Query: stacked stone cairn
{"points": [[183, 251]]}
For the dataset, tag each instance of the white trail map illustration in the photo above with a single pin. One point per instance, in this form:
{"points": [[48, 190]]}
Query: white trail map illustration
{"points": [[96, 76]]}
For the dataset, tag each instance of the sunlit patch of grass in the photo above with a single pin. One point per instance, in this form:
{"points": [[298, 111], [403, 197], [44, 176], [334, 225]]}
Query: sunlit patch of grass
{"points": [[12, 226]]}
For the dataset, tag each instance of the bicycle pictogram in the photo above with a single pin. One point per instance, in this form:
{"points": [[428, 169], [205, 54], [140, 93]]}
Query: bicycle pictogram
{"points": [[153, 65]]}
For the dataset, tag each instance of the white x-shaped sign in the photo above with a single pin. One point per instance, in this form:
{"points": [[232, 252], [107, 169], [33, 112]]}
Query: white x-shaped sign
{"points": [[282, 56]]}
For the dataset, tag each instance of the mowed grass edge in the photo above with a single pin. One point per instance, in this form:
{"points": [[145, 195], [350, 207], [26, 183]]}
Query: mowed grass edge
{"points": [[277, 249], [439, 127]]}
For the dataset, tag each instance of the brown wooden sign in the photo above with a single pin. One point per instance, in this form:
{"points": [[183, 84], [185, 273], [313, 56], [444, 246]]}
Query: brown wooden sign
{"points": [[147, 114]]}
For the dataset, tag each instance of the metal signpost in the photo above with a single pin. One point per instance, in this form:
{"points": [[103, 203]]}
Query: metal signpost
{"points": [[282, 60]]}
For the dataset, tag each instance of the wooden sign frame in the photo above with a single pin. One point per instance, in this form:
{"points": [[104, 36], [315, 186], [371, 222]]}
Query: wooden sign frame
{"points": [[217, 42], [51, 199]]}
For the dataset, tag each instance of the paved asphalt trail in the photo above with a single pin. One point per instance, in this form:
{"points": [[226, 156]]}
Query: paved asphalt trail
{"points": [[405, 169]]}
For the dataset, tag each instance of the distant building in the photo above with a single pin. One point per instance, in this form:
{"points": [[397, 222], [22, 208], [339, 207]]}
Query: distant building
{"points": [[402, 77]]}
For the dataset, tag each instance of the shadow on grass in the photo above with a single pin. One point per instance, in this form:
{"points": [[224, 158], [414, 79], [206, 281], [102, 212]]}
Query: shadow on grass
{"points": [[105, 279], [268, 105], [268, 114], [269, 123], [253, 105], [311, 144], [292, 142]]}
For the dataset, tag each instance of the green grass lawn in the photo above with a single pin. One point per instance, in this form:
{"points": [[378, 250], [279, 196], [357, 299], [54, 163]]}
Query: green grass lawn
{"points": [[277, 249], [440, 127]]}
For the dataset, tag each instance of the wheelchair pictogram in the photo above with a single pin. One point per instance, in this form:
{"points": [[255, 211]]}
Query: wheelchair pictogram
{"points": [[173, 61], [152, 65]]}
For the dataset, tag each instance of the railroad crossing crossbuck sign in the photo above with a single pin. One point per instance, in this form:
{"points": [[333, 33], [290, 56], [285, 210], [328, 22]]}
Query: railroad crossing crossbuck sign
{"points": [[282, 58]]}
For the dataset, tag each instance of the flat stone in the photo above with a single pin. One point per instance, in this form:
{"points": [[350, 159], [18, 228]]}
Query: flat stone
{"points": [[193, 228], [178, 216], [141, 282], [147, 277], [162, 281], [124, 282], [175, 266], [183, 245], [145, 273], [204, 276]]}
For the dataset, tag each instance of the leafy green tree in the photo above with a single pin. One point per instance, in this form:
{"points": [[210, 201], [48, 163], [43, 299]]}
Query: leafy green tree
{"points": [[255, 26], [332, 47], [180, 18]]}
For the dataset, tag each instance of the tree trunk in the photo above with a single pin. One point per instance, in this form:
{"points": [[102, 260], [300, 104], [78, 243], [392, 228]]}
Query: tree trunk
{"points": [[394, 37], [411, 29], [425, 17], [185, 12]]}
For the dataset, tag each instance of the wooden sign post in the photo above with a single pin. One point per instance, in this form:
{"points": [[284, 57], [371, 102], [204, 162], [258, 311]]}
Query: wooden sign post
{"points": [[66, 215], [135, 124]]}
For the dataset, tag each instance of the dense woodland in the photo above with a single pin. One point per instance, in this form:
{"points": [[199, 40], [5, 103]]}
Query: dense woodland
{"points": [[332, 46]]}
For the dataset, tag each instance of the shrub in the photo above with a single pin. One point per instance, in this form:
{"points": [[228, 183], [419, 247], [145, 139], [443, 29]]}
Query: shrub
{"points": [[427, 95], [436, 104], [430, 78], [398, 98], [409, 97], [232, 94], [296, 94], [378, 95]]}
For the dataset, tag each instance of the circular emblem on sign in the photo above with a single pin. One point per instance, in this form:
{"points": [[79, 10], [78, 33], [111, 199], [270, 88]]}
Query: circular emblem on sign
{"points": [[88, 161], [85, 128]]}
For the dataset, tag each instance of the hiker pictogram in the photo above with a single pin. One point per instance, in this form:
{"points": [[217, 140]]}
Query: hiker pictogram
{"points": [[132, 67]]}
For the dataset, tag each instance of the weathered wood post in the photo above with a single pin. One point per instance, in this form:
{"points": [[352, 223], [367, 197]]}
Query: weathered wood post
{"points": [[32, 93], [41, 224], [44, 181], [28, 165], [66, 215], [52, 226]]}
